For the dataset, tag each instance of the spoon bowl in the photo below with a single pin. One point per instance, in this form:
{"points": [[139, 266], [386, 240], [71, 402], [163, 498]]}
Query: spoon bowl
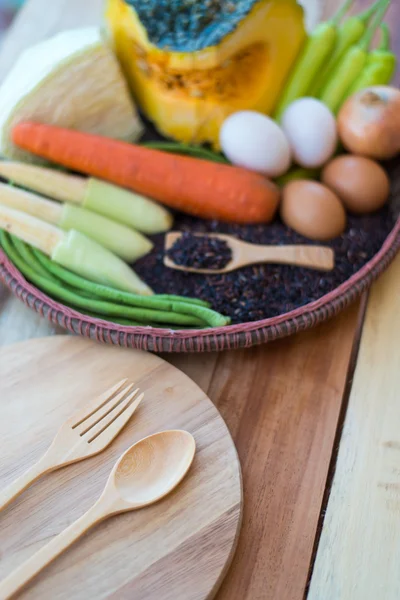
{"points": [[152, 468]]}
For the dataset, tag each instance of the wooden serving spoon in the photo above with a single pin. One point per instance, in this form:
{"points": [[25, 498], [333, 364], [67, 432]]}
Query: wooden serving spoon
{"points": [[244, 254], [144, 474]]}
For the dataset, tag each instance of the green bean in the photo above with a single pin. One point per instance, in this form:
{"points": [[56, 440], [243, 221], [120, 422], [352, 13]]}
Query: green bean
{"points": [[160, 311], [348, 35], [380, 67], [195, 151], [128, 322], [27, 255], [173, 298], [96, 306], [311, 61], [351, 66], [117, 321], [101, 291], [184, 308]]}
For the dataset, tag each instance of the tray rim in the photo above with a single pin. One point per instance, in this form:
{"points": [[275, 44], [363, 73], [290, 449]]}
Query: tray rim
{"points": [[229, 337]]}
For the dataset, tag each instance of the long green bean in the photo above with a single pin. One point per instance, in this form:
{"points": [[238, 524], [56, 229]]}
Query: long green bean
{"points": [[209, 316], [97, 306], [128, 322], [101, 291], [135, 308], [179, 148], [27, 255], [185, 299]]}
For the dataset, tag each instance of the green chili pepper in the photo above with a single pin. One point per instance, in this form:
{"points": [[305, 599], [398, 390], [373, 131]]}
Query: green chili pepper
{"points": [[380, 66], [348, 34], [351, 66], [314, 55]]}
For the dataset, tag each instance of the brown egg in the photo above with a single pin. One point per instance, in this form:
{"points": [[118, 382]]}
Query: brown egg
{"points": [[313, 210], [361, 183]]}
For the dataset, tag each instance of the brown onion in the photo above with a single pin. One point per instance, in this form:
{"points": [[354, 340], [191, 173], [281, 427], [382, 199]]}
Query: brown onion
{"points": [[369, 123]]}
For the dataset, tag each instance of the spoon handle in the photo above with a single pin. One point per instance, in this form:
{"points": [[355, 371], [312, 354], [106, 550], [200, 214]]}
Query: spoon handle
{"points": [[27, 571], [315, 257]]}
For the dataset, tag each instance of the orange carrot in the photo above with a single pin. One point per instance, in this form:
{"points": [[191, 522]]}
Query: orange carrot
{"points": [[198, 187]]}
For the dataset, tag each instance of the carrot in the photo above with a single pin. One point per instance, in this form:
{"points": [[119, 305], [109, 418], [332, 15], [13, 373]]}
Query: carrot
{"points": [[198, 187]]}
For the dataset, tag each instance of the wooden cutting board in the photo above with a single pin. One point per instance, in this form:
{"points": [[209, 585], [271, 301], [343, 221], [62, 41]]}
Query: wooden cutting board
{"points": [[178, 549]]}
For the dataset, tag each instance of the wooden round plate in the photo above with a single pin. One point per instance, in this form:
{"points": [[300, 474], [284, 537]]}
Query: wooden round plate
{"points": [[178, 549]]}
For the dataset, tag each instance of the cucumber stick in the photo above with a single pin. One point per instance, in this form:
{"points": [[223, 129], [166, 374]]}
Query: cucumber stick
{"points": [[126, 207], [74, 251]]}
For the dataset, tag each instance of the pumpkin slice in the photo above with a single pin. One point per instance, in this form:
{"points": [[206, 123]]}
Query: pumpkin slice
{"points": [[194, 66]]}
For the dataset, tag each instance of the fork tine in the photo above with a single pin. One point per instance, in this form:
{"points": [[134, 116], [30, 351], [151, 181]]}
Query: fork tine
{"points": [[103, 411], [104, 435], [94, 405]]}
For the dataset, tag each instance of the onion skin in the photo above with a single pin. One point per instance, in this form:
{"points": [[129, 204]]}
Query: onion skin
{"points": [[369, 123]]}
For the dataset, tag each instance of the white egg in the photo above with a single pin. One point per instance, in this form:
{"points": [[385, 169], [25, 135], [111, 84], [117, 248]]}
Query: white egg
{"points": [[311, 130], [254, 141]]}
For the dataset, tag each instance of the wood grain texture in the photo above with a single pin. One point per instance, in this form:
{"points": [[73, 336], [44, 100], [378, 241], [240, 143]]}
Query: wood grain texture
{"points": [[281, 403], [175, 550], [359, 551]]}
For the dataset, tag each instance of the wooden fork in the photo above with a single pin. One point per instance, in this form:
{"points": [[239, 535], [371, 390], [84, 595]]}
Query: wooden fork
{"points": [[85, 434]]}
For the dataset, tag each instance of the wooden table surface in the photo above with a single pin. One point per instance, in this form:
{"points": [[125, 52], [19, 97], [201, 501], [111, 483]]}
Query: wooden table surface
{"points": [[318, 443]]}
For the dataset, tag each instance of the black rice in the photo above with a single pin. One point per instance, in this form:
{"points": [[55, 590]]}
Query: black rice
{"points": [[200, 252], [262, 291]]}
